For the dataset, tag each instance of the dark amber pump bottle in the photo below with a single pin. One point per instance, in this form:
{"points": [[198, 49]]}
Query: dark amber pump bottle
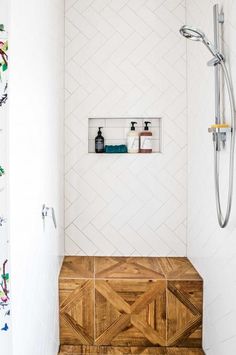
{"points": [[146, 139], [99, 142]]}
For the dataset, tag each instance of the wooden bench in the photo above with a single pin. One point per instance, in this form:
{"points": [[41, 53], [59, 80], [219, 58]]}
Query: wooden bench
{"points": [[112, 304]]}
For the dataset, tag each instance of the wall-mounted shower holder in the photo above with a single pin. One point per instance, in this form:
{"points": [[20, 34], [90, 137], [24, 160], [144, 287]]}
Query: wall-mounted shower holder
{"points": [[45, 213], [2, 220], [219, 134]]}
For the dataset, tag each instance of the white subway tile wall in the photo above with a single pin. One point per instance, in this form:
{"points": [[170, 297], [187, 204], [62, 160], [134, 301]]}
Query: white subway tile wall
{"points": [[125, 58], [211, 249]]}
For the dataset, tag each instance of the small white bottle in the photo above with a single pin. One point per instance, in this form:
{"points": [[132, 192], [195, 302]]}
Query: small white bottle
{"points": [[133, 139]]}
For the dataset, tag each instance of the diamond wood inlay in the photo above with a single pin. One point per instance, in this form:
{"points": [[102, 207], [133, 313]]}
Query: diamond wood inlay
{"points": [[130, 302], [77, 311], [184, 313], [132, 312]]}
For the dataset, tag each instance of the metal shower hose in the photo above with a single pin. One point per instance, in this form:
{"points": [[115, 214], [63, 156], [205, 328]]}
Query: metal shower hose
{"points": [[223, 220]]}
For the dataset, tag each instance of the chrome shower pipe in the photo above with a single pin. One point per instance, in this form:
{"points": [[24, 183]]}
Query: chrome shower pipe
{"points": [[217, 67], [218, 19]]}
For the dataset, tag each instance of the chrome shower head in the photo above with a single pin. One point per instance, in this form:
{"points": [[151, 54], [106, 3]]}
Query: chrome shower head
{"points": [[197, 35], [192, 33]]}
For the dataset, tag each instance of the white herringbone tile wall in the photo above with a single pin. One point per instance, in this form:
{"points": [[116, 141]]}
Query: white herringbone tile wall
{"points": [[125, 58], [211, 249]]}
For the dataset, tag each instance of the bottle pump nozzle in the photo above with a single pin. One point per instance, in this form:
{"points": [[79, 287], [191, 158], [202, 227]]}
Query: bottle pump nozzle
{"points": [[132, 126], [146, 128]]}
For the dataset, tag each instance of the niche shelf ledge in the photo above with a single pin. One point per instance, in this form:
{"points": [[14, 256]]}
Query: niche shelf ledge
{"points": [[115, 130]]}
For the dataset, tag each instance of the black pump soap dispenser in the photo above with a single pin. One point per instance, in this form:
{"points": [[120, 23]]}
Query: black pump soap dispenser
{"points": [[99, 142]]}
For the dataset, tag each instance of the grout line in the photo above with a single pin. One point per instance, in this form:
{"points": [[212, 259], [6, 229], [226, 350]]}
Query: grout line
{"points": [[128, 279]]}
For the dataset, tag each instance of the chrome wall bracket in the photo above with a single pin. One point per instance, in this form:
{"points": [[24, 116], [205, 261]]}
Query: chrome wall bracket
{"points": [[2, 220], [219, 135], [49, 211], [221, 17]]}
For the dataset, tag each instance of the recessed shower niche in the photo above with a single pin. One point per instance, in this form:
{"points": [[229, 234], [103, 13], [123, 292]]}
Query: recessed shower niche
{"points": [[115, 131]]}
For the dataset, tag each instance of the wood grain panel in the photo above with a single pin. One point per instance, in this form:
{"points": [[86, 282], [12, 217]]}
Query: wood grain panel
{"points": [[178, 269], [106, 350], [142, 302], [184, 313], [182, 351], [77, 312], [77, 267], [128, 268]]}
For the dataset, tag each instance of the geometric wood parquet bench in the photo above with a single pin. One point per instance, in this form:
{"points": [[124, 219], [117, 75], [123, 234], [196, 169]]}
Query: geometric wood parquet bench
{"points": [[121, 304]]}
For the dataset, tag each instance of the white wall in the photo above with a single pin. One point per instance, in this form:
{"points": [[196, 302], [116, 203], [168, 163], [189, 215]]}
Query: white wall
{"points": [[125, 59], [212, 250], [5, 335], [36, 110]]}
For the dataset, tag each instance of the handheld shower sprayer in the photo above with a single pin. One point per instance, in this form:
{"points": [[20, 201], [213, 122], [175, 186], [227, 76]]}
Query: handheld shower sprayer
{"points": [[197, 35], [220, 129]]}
